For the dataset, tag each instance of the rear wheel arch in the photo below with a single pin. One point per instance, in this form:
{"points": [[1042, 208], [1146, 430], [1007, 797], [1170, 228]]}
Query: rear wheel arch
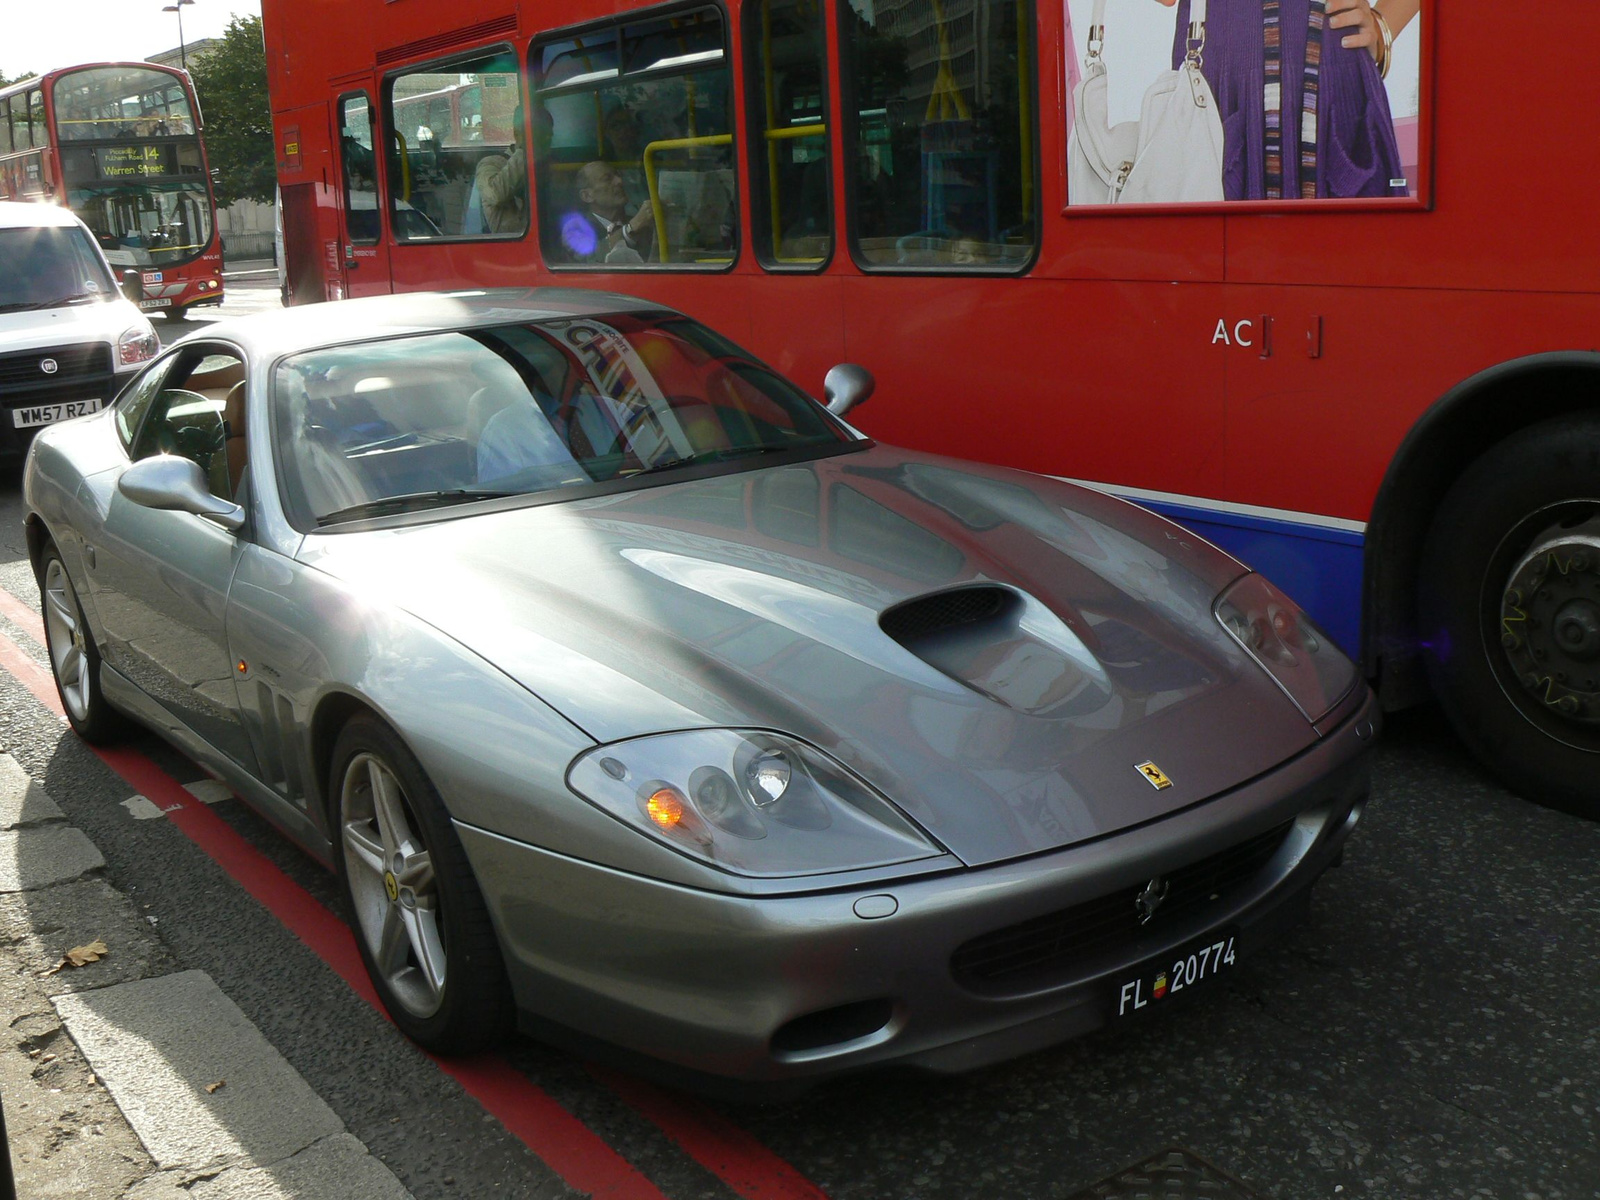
{"points": [[1467, 422]]}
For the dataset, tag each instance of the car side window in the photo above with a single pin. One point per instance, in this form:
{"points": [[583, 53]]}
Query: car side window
{"points": [[135, 401], [198, 413]]}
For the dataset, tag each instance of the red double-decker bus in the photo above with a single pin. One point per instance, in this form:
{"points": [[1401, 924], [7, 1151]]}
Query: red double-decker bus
{"points": [[119, 144], [1288, 272]]}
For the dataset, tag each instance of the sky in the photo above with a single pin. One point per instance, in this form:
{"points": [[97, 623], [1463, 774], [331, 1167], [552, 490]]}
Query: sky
{"points": [[41, 35]]}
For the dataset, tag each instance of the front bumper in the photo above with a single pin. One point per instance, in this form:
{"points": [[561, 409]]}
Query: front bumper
{"points": [[752, 989]]}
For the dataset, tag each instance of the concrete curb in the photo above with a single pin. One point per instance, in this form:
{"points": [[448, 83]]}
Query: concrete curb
{"points": [[162, 1088]]}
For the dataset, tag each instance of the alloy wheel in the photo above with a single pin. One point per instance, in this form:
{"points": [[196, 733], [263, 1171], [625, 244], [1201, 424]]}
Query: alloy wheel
{"points": [[392, 885], [68, 653]]}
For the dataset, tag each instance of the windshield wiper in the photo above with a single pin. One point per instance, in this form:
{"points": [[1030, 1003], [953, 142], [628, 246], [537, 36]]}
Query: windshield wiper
{"points": [[410, 502], [714, 456], [75, 298]]}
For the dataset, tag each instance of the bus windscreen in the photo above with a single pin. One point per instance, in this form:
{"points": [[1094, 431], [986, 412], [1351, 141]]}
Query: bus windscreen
{"points": [[119, 103]]}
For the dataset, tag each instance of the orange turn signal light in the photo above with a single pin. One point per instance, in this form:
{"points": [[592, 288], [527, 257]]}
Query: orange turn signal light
{"points": [[666, 807]]}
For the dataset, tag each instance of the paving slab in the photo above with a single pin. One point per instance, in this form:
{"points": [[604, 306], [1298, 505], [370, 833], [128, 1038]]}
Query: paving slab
{"points": [[199, 1084], [36, 858], [37, 928], [22, 801], [68, 1140], [336, 1168]]}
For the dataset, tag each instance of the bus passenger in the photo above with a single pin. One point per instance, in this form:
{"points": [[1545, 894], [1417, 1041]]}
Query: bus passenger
{"points": [[501, 186], [600, 230]]}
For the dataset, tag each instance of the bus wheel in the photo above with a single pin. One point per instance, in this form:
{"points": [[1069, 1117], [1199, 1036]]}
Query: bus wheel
{"points": [[1509, 609]]}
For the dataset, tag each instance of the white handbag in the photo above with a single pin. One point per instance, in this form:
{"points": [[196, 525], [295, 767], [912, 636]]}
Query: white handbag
{"points": [[1171, 155]]}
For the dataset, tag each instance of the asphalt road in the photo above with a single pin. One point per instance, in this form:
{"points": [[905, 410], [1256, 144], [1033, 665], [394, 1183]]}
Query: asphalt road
{"points": [[1432, 1030]]}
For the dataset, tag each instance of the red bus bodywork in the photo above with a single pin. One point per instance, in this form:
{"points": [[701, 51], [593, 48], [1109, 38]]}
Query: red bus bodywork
{"points": [[172, 280], [1302, 384]]}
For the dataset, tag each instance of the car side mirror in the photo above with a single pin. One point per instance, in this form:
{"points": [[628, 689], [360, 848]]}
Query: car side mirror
{"points": [[846, 386], [133, 285], [175, 484]]}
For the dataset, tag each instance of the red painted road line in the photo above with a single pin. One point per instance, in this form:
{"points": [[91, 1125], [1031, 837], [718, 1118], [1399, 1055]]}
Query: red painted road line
{"points": [[38, 680], [563, 1142], [569, 1147], [20, 614], [738, 1159]]}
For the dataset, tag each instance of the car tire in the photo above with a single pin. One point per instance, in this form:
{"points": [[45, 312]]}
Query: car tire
{"points": [[423, 929], [74, 657], [1509, 612]]}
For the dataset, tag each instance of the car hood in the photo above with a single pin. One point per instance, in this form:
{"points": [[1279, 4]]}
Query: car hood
{"points": [[758, 599]]}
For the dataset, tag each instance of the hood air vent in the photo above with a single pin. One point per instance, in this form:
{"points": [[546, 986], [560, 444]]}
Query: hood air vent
{"points": [[926, 615], [1002, 644]]}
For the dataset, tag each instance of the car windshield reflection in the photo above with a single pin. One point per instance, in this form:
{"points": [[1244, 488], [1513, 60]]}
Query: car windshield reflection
{"points": [[433, 421]]}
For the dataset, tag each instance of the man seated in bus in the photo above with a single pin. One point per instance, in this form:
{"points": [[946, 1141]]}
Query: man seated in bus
{"points": [[500, 188], [600, 229]]}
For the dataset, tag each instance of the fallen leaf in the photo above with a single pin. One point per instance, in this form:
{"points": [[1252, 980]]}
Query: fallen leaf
{"points": [[81, 956], [212, 1087]]}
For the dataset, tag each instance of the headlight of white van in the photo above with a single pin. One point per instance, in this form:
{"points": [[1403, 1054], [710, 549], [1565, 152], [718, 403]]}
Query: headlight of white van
{"points": [[137, 345]]}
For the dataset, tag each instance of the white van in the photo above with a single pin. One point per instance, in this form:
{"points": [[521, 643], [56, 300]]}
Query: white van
{"points": [[69, 339]]}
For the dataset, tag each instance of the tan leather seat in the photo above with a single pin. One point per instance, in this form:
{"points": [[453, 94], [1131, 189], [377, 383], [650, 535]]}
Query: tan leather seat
{"points": [[233, 416]]}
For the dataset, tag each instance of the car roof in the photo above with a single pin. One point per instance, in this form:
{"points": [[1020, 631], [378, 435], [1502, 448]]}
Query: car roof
{"points": [[21, 214], [311, 326]]}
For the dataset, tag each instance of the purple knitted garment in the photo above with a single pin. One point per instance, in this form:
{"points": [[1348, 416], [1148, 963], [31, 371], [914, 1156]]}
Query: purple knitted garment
{"points": [[1356, 151]]}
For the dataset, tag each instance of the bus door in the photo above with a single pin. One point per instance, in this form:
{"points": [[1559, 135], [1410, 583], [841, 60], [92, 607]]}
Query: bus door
{"points": [[364, 255]]}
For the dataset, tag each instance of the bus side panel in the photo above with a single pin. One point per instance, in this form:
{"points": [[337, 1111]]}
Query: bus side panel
{"points": [[305, 272], [314, 260], [1350, 372], [1111, 381]]}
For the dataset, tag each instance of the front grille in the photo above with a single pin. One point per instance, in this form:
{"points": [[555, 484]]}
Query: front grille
{"points": [[944, 610], [1046, 949], [20, 371]]}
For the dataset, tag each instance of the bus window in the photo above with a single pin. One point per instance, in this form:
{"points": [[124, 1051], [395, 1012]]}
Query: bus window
{"points": [[19, 123], [793, 195], [634, 144], [5, 127], [36, 121], [456, 164], [942, 104], [360, 168]]}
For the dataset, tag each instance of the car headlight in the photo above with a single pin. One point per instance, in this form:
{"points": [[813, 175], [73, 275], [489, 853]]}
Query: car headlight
{"points": [[137, 345], [1306, 665], [747, 801]]}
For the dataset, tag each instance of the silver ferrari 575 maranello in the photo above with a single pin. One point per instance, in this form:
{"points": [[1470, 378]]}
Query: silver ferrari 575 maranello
{"points": [[636, 695]]}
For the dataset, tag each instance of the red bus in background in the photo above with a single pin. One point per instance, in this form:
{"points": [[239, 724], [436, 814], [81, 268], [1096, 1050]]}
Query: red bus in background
{"points": [[1343, 322], [119, 144]]}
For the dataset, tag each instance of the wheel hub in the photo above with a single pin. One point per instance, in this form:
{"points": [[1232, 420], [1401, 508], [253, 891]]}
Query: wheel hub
{"points": [[1550, 621]]}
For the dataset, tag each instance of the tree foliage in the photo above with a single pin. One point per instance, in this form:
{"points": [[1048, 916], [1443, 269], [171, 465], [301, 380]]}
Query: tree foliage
{"points": [[4, 82], [232, 82]]}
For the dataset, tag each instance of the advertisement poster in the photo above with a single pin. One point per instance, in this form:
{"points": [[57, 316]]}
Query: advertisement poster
{"points": [[1265, 101]]}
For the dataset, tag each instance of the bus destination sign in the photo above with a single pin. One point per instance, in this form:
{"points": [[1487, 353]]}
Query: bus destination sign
{"points": [[126, 162]]}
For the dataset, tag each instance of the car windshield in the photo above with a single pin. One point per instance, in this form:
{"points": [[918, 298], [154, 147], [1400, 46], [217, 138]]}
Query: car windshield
{"points": [[49, 267], [428, 421]]}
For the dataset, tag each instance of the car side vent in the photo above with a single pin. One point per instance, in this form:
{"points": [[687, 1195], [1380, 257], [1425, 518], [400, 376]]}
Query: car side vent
{"points": [[965, 606]]}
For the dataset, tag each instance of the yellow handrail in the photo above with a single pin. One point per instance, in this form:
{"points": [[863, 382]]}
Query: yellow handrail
{"points": [[1025, 109], [789, 133], [946, 101], [657, 211]]}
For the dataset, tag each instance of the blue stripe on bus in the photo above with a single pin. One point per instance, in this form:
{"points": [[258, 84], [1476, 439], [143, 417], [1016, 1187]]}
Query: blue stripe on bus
{"points": [[1317, 566]]}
